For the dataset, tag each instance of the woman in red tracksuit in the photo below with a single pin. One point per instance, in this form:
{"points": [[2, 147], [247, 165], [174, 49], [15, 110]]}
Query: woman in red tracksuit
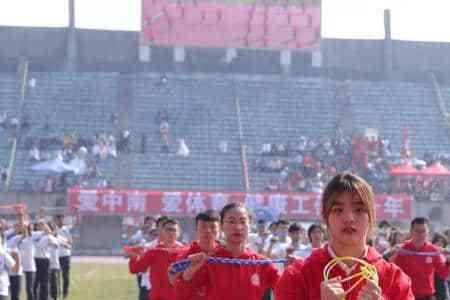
{"points": [[349, 212], [226, 281]]}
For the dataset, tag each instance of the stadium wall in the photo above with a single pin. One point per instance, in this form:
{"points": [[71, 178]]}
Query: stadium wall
{"points": [[101, 50]]}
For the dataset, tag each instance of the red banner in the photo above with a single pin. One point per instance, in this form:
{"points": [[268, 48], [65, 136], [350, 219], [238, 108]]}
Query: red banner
{"points": [[302, 206]]}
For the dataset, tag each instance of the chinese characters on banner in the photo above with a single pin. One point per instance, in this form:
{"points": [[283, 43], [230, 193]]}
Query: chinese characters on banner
{"points": [[305, 206]]}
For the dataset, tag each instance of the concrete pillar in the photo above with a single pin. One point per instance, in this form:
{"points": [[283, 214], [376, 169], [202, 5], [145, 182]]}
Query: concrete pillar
{"points": [[72, 42], [285, 61], [316, 58], [230, 55], [179, 57], [388, 52], [145, 53]]}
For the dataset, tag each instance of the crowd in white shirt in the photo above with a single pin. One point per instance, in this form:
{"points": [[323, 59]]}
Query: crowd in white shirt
{"points": [[33, 251]]}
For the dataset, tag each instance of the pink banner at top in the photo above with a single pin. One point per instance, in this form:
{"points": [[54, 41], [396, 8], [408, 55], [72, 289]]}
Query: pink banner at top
{"points": [[230, 25], [302, 206]]}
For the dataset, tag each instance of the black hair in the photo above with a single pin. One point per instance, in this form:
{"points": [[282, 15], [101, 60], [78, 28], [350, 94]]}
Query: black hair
{"points": [[161, 220], [149, 218], [209, 215], [294, 227], [439, 236], [231, 206], [282, 222], [314, 227], [273, 223], [420, 221], [392, 238], [384, 223], [170, 221]]}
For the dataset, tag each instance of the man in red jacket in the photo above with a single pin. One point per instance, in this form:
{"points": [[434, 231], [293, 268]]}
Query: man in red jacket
{"points": [[207, 227], [167, 251], [228, 281], [420, 259]]}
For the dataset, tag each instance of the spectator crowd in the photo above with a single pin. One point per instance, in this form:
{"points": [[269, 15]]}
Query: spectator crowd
{"points": [[307, 165]]}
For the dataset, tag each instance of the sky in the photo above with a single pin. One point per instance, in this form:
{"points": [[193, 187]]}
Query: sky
{"points": [[362, 19]]}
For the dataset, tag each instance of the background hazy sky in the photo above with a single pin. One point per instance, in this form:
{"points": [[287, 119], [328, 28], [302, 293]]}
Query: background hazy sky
{"points": [[362, 19]]}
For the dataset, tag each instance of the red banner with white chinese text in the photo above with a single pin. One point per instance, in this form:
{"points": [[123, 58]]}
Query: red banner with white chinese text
{"points": [[302, 206]]}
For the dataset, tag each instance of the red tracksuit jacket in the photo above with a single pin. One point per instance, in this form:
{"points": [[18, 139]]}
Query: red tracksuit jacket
{"points": [[301, 281], [422, 269], [193, 249], [226, 282], [158, 260]]}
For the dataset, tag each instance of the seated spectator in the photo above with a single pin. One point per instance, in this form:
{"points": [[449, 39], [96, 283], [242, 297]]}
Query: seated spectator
{"points": [[14, 123], [124, 142], [272, 185], [275, 164], [3, 120], [25, 126], [144, 143], [162, 83], [3, 174], [87, 143], [164, 133], [100, 148], [163, 116], [282, 150], [113, 118], [102, 183], [266, 149], [63, 183], [308, 165], [68, 142], [49, 184], [82, 152], [35, 154], [183, 149], [93, 171], [112, 147]]}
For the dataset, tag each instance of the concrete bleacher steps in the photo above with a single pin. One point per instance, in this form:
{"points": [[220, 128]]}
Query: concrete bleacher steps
{"points": [[79, 103], [202, 110], [198, 172], [279, 110], [392, 106]]}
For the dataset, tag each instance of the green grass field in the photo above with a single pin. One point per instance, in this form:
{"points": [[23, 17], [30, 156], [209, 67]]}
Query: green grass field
{"points": [[93, 281], [100, 281]]}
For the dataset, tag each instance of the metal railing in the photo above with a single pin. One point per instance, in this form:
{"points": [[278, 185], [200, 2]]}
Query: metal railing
{"points": [[441, 103], [243, 148]]}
